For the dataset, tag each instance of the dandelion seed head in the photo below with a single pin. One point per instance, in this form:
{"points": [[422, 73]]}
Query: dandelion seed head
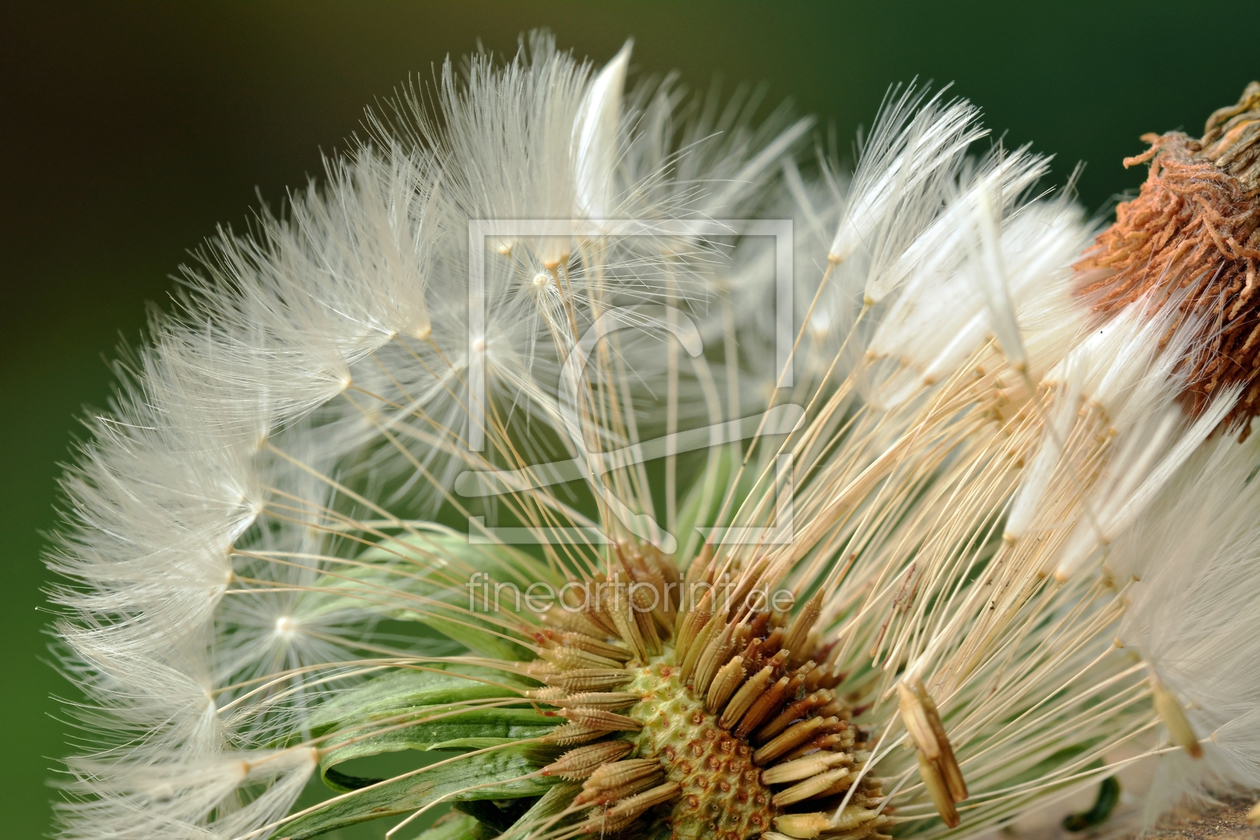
{"points": [[631, 535]]}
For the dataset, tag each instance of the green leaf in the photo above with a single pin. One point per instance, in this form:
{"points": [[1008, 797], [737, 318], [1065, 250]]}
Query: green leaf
{"points": [[1104, 804], [402, 689], [478, 743], [501, 774], [436, 577], [706, 497], [552, 802], [495, 816], [702, 503], [455, 827], [446, 727]]}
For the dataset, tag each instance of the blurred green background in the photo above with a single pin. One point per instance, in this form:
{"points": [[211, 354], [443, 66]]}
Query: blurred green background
{"points": [[129, 129]]}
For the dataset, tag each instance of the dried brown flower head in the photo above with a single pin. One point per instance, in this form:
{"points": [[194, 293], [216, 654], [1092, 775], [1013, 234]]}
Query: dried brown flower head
{"points": [[1194, 232]]}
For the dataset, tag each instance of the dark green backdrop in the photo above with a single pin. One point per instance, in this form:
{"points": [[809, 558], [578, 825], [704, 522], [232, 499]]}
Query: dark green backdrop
{"points": [[128, 130]]}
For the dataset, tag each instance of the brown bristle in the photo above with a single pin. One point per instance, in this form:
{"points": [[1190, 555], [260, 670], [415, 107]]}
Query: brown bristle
{"points": [[1194, 231]]}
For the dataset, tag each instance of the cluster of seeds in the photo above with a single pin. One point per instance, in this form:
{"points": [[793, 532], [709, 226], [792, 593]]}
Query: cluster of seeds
{"points": [[705, 718]]}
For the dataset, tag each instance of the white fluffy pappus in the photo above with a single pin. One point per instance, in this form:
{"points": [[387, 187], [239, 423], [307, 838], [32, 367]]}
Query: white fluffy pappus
{"points": [[273, 538]]}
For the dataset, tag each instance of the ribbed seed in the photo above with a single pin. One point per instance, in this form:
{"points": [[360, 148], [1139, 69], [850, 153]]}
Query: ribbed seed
{"points": [[800, 627], [1169, 709], [602, 720], [792, 712], [937, 789], [811, 825], [748, 580], [590, 644], [774, 643], [843, 783], [620, 779], [713, 628], [621, 815], [923, 721], [607, 700], [803, 768], [620, 772], [577, 764], [659, 606], [745, 696], [739, 638], [671, 589], [819, 677], [588, 679], [763, 707], [757, 626], [832, 742], [716, 654], [779, 661], [796, 679], [573, 658], [691, 623], [698, 571], [809, 788], [573, 733], [628, 629], [729, 677], [595, 614], [793, 736], [550, 694], [619, 608], [571, 621], [753, 656], [915, 717], [647, 623]]}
